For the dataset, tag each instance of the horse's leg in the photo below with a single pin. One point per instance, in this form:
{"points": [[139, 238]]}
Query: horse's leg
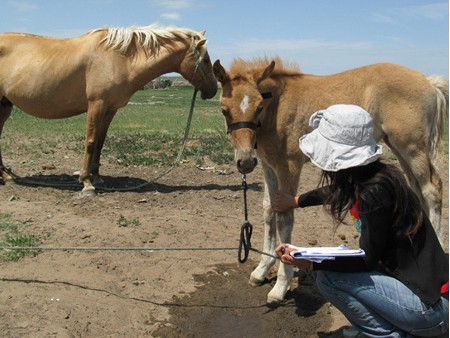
{"points": [[280, 223], [5, 113], [95, 115], [425, 181], [258, 275], [288, 179], [101, 136], [284, 222]]}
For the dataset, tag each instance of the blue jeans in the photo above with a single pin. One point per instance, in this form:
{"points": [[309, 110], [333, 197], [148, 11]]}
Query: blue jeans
{"points": [[382, 306]]}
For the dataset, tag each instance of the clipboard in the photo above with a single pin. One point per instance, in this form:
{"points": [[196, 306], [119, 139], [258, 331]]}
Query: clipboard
{"points": [[318, 254]]}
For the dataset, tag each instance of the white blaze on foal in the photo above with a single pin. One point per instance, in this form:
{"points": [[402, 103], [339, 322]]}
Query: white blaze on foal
{"points": [[244, 104]]}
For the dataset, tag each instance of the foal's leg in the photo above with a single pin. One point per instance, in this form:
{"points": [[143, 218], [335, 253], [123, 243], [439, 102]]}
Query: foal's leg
{"points": [[5, 113], [258, 275], [288, 179], [285, 273], [427, 184], [273, 223]]}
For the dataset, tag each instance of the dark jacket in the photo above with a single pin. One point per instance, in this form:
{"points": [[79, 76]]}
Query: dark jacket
{"points": [[421, 265]]}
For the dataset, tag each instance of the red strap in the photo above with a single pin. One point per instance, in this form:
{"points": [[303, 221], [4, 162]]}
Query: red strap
{"points": [[354, 208], [444, 288]]}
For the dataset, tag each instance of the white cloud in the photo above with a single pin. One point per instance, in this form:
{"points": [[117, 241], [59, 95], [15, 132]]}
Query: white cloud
{"points": [[436, 11], [277, 45], [173, 4], [22, 6], [171, 16], [380, 18]]}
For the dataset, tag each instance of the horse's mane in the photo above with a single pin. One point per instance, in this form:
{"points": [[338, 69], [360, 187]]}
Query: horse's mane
{"points": [[240, 67], [148, 36]]}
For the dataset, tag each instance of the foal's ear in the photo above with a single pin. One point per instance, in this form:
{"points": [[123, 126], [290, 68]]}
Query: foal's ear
{"points": [[267, 72], [202, 33], [220, 73]]}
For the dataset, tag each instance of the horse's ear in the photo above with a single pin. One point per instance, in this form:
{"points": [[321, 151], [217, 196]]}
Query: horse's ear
{"points": [[267, 72], [220, 73], [202, 33], [201, 43]]}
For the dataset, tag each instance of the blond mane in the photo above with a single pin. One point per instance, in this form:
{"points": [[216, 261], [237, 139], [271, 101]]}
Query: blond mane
{"points": [[148, 36], [240, 67]]}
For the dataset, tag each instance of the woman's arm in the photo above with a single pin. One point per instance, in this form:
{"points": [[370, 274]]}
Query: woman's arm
{"points": [[285, 202]]}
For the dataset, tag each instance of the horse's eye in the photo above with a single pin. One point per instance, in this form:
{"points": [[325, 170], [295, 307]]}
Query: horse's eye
{"points": [[225, 112], [259, 109]]}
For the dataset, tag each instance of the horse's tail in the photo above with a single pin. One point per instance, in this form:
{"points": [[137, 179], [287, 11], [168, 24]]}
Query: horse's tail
{"points": [[440, 84]]}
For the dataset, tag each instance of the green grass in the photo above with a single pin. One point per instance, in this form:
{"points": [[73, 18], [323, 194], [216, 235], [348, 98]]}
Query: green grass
{"points": [[148, 131], [14, 234], [124, 222]]}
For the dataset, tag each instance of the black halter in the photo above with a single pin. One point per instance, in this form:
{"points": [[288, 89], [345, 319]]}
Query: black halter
{"points": [[246, 124], [240, 125]]}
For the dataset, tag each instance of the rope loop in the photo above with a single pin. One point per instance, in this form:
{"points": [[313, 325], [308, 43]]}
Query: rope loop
{"points": [[244, 243]]}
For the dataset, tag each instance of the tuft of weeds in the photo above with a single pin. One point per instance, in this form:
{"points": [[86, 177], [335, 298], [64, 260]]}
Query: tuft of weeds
{"points": [[125, 222], [13, 234]]}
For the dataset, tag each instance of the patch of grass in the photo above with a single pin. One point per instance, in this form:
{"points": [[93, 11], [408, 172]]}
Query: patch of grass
{"points": [[14, 235], [163, 148], [124, 222], [147, 131]]}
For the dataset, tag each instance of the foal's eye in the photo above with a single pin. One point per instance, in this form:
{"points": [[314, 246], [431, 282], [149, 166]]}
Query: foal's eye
{"points": [[259, 109], [225, 112]]}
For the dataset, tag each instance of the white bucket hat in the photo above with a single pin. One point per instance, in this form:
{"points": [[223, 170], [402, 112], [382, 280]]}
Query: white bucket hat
{"points": [[342, 138]]}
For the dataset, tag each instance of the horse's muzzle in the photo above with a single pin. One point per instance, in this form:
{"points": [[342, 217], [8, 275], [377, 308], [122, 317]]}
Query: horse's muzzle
{"points": [[246, 166], [208, 89]]}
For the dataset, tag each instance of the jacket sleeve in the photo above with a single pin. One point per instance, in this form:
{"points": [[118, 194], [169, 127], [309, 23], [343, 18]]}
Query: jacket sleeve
{"points": [[375, 210], [312, 198]]}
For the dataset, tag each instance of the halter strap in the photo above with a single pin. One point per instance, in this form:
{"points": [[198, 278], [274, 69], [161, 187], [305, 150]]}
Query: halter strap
{"points": [[197, 57], [240, 125]]}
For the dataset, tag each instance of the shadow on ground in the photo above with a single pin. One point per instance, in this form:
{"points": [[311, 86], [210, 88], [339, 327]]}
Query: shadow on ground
{"points": [[224, 305]]}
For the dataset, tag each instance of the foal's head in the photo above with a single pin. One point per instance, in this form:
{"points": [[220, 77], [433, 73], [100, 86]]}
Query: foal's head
{"points": [[242, 105]]}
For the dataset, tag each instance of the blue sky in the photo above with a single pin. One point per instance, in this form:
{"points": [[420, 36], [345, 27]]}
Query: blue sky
{"points": [[321, 36]]}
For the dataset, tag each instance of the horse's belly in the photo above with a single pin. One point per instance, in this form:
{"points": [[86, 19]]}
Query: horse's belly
{"points": [[49, 112]]}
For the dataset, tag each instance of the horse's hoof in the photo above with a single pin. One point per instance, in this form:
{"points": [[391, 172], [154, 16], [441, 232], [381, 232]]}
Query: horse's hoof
{"points": [[273, 301], [255, 282], [87, 193], [6, 179]]}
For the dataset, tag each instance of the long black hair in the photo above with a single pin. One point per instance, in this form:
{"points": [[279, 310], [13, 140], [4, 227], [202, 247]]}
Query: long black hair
{"points": [[407, 211]]}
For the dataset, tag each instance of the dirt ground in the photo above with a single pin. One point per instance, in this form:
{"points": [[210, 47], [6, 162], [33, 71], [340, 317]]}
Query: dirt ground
{"points": [[177, 292]]}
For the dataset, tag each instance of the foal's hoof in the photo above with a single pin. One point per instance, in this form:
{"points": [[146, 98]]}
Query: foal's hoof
{"points": [[255, 282], [273, 301]]}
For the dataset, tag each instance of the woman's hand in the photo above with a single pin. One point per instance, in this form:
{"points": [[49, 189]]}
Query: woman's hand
{"points": [[284, 250], [284, 202]]}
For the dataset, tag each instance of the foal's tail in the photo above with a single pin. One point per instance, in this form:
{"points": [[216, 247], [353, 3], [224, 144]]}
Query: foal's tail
{"points": [[440, 84]]}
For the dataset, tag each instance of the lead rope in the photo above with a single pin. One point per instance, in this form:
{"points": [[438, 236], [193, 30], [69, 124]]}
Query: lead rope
{"points": [[245, 244], [246, 229]]}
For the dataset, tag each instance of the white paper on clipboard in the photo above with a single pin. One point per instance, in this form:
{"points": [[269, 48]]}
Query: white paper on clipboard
{"points": [[318, 254]]}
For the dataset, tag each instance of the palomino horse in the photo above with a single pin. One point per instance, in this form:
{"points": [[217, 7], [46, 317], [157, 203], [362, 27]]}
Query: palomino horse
{"points": [[269, 106], [96, 73]]}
